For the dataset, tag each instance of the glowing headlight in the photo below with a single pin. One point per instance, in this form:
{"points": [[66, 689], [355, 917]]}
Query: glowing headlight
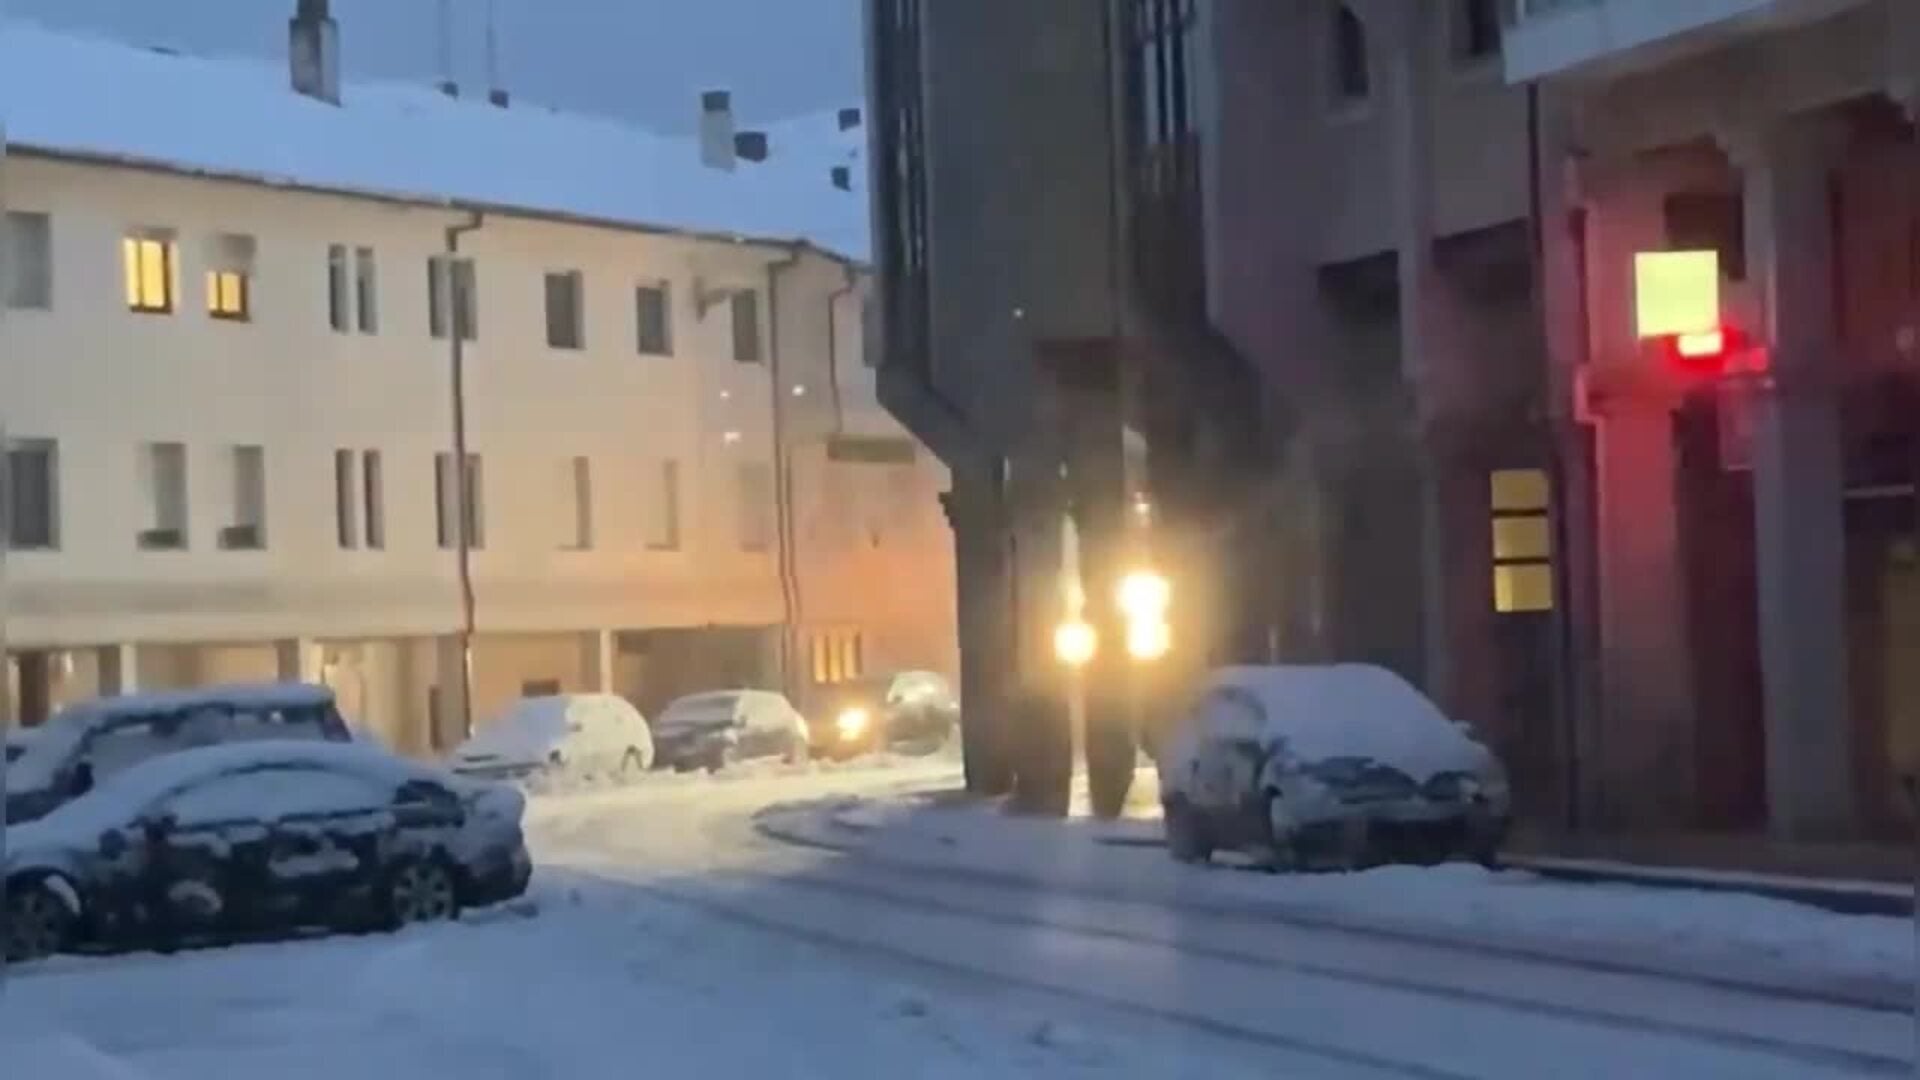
{"points": [[852, 723]]}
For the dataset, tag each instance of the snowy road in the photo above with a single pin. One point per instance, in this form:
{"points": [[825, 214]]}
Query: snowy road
{"points": [[672, 938]]}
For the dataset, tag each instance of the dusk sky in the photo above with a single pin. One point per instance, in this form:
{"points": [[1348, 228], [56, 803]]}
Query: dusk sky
{"points": [[642, 60]]}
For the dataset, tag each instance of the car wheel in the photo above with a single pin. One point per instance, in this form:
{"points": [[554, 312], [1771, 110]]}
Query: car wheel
{"points": [[39, 923], [421, 891], [1185, 842], [723, 758]]}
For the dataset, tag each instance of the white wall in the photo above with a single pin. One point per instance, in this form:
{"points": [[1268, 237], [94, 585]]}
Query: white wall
{"points": [[102, 380]]}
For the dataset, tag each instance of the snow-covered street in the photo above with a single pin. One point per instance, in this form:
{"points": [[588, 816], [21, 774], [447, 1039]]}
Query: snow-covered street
{"points": [[668, 932]]}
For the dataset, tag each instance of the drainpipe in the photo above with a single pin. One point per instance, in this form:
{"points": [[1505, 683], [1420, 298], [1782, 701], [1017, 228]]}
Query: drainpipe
{"points": [[782, 471], [456, 334], [833, 348]]}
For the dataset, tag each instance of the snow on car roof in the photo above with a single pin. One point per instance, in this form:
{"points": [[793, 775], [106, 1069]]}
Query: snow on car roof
{"points": [[74, 96], [119, 798], [1350, 710]]}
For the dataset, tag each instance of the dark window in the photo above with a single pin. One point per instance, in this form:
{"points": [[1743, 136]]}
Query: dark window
{"points": [[366, 290], [1352, 81], [32, 502], [746, 326], [451, 513], [346, 501], [373, 493], [1709, 221], [455, 290], [28, 260], [1476, 29], [653, 317], [566, 318], [337, 294], [899, 135]]}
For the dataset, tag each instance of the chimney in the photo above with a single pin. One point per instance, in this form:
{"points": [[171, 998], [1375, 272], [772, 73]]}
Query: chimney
{"points": [[496, 87], [443, 29], [313, 52], [716, 130], [750, 145], [843, 177], [498, 97], [849, 118]]}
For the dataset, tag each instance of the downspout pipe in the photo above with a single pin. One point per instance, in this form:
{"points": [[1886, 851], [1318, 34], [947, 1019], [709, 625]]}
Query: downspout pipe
{"points": [[462, 482], [782, 470], [847, 288]]}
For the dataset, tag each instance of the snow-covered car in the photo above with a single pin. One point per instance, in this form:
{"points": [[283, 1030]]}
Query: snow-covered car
{"points": [[232, 841], [1344, 764], [16, 743], [715, 729], [561, 734], [87, 742], [905, 710]]}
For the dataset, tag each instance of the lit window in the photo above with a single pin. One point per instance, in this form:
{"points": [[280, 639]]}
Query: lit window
{"points": [[1522, 539], [147, 265], [229, 275]]}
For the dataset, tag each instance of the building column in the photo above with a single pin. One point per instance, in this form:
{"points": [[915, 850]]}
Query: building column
{"points": [[119, 669], [297, 660], [451, 722], [984, 613], [1798, 482], [1639, 757], [596, 651]]}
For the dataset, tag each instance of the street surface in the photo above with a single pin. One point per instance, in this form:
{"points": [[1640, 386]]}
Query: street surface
{"points": [[665, 934]]}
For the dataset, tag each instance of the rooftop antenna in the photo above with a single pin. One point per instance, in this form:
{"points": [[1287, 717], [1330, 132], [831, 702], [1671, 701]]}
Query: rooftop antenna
{"points": [[496, 89], [444, 27]]}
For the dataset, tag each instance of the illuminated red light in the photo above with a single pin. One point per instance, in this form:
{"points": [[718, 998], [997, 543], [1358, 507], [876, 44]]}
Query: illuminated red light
{"points": [[1701, 346]]}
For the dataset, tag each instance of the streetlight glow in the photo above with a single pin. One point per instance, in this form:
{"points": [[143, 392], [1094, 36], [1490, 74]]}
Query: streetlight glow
{"points": [[1144, 595], [1148, 639], [1074, 642]]}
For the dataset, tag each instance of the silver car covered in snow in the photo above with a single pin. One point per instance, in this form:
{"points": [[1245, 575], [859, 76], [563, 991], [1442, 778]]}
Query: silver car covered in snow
{"points": [[259, 839], [1343, 765]]}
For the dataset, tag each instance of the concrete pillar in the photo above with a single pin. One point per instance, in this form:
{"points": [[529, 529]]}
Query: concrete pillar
{"points": [[119, 669], [1641, 768], [596, 651], [1798, 482], [297, 660], [984, 613], [452, 720]]}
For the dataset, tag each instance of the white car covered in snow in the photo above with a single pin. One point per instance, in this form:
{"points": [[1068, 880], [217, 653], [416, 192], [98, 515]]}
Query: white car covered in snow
{"points": [[561, 735], [241, 840], [1343, 765]]}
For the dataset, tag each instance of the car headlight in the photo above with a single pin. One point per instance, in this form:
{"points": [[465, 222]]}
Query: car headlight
{"points": [[852, 723]]}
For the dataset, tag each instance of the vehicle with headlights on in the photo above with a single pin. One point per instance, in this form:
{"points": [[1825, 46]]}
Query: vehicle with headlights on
{"points": [[903, 712], [1341, 765]]}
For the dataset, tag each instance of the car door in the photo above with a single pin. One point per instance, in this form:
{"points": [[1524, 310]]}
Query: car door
{"points": [[328, 827], [756, 725], [205, 850]]}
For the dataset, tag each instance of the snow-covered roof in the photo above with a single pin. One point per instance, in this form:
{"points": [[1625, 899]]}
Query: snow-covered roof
{"points": [[69, 95], [1352, 710]]}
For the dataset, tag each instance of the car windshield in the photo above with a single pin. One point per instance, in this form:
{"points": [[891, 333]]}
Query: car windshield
{"points": [[699, 710]]}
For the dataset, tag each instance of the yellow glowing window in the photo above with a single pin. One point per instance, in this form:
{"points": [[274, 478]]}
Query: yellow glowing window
{"points": [[1522, 540], [1676, 292], [147, 265], [226, 294]]}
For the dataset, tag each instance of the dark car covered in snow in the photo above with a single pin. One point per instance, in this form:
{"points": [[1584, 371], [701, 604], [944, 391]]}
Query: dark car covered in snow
{"points": [[1342, 764], [903, 711], [85, 743], [259, 839]]}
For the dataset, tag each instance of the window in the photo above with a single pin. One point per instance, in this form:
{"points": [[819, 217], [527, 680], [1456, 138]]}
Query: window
{"points": [[28, 260], [1352, 81], [1522, 542], [535, 688], [337, 295], [566, 319], [247, 528], [756, 506], [373, 494], [147, 259], [346, 502], [746, 326], [457, 517], [230, 277], [836, 656], [451, 291], [652, 314], [663, 524], [578, 520], [366, 291], [33, 495], [1476, 29], [166, 481], [1709, 221]]}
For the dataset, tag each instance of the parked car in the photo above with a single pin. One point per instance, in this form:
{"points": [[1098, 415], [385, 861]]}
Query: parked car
{"points": [[715, 729], [903, 711], [1345, 764], [562, 734], [85, 743], [223, 842]]}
